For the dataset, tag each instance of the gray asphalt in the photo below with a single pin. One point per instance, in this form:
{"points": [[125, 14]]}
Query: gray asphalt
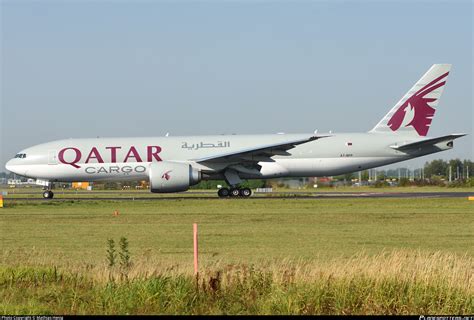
{"points": [[262, 196]]}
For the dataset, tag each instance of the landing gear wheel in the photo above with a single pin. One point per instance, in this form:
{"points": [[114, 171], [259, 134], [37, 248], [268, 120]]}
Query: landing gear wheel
{"points": [[245, 192], [48, 194], [234, 192], [223, 192]]}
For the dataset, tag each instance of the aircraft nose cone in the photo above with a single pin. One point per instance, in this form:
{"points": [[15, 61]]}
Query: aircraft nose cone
{"points": [[10, 166]]}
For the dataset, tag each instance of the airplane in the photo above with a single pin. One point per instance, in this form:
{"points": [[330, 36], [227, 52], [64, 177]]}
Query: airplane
{"points": [[173, 164]]}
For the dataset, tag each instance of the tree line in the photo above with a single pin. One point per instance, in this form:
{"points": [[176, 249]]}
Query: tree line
{"points": [[454, 172]]}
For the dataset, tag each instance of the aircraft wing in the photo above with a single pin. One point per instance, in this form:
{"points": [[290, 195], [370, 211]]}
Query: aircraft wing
{"points": [[258, 153], [426, 142]]}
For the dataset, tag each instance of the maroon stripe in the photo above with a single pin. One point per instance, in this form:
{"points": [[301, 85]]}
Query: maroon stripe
{"points": [[432, 82], [432, 89]]}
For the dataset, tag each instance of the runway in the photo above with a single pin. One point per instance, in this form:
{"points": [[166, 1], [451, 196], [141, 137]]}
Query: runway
{"points": [[257, 196]]}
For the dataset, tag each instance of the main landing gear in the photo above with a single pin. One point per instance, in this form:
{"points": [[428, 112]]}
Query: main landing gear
{"points": [[233, 180], [234, 192], [48, 194]]}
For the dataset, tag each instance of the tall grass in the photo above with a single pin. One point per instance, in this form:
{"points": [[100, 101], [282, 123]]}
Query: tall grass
{"points": [[396, 282]]}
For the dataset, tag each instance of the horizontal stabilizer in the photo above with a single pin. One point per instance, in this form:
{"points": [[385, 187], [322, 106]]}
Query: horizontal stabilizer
{"points": [[426, 142]]}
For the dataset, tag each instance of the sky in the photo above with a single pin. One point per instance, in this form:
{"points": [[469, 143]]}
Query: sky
{"points": [[76, 69]]}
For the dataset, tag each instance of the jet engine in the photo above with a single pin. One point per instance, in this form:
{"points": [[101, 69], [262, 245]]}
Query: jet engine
{"points": [[168, 176]]}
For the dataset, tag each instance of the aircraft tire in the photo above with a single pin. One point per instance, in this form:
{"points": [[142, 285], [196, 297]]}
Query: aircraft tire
{"points": [[48, 194], [245, 192], [223, 193], [234, 192]]}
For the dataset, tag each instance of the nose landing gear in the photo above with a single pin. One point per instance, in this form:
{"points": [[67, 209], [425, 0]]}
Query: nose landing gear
{"points": [[48, 194], [47, 187], [234, 192]]}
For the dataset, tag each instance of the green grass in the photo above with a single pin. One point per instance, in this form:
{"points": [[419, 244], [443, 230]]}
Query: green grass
{"points": [[236, 230], [350, 256], [395, 283]]}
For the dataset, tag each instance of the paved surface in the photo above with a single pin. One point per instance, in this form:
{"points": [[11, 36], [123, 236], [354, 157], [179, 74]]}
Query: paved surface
{"points": [[258, 196]]}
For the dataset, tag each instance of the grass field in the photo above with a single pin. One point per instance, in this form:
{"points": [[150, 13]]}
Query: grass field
{"points": [[329, 256]]}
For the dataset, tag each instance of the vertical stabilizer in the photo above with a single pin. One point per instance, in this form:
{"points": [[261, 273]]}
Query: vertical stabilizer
{"points": [[414, 112]]}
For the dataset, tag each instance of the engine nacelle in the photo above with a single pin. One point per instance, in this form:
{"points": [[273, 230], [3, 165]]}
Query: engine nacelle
{"points": [[168, 176]]}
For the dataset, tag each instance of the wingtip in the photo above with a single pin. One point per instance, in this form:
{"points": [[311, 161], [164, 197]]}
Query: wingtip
{"points": [[459, 135], [316, 137]]}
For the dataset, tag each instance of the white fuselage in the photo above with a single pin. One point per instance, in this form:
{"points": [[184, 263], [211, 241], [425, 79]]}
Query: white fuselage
{"points": [[108, 159]]}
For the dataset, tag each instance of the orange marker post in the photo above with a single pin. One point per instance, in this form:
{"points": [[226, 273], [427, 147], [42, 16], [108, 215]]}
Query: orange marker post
{"points": [[1, 201], [195, 229], [471, 198]]}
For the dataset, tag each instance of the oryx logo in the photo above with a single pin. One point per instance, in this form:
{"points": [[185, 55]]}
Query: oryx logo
{"points": [[418, 105], [166, 175]]}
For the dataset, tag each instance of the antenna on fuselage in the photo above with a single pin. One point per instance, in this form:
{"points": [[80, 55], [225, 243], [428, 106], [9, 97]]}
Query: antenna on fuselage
{"points": [[167, 134]]}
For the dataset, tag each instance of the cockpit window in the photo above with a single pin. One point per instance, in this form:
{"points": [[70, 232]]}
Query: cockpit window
{"points": [[21, 155]]}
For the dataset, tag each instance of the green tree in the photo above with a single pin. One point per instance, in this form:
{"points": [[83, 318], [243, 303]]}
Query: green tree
{"points": [[436, 168], [468, 169], [456, 168], [348, 177], [365, 175]]}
